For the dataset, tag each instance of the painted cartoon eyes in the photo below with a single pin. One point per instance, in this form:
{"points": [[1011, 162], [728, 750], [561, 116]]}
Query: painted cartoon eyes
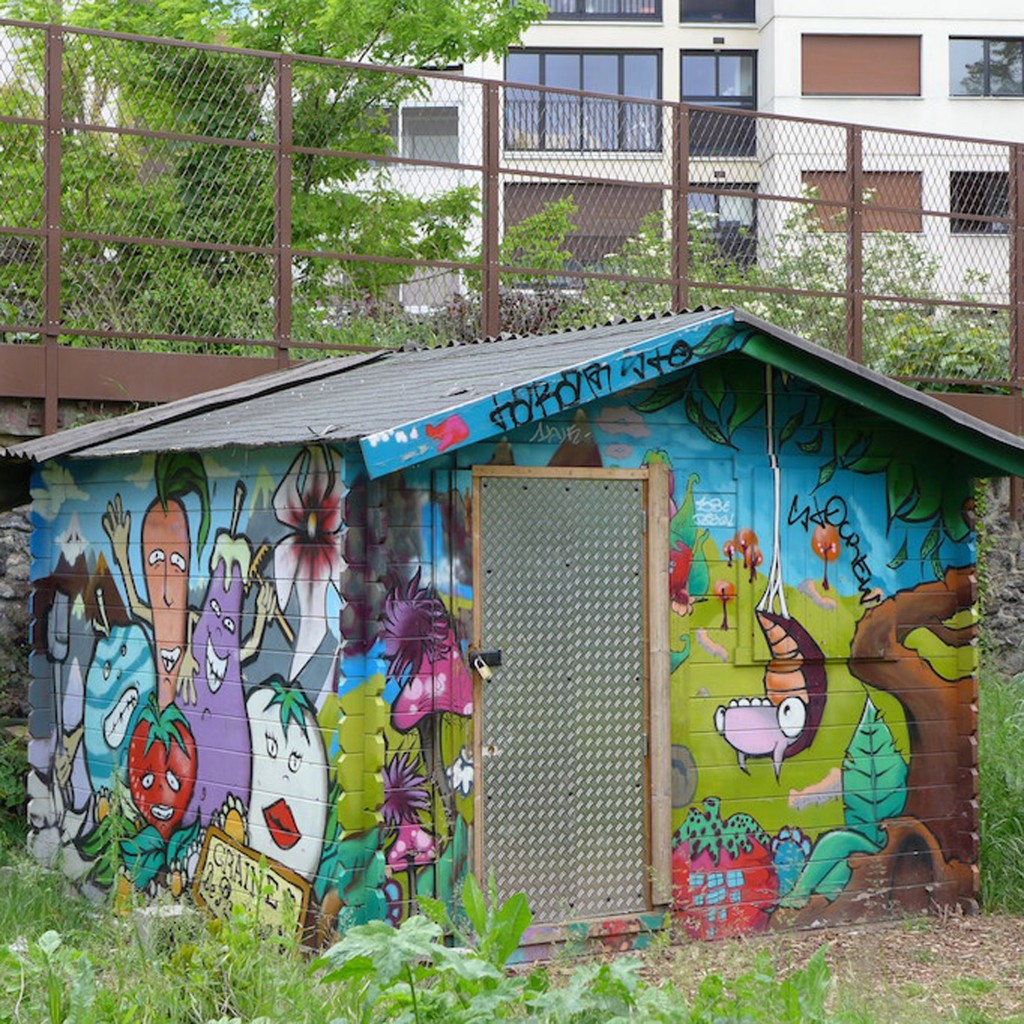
{"points": [[792, 716], [215, 606], [172, 780], [178, 561], [147, 780], [156, 556], [124, 651], [106, 671], [294, 761], [229, 625], [271, 745]]}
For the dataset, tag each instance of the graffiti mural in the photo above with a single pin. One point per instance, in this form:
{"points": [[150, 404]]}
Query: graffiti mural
{"points": [[257, 673]]}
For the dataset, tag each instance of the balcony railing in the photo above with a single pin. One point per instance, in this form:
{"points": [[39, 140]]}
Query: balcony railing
{"points": [[604, 10], [175, 216]]}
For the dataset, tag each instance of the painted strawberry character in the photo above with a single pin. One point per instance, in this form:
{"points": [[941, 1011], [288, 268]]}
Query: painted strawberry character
{"points": [[724, 880], [162, 765]]}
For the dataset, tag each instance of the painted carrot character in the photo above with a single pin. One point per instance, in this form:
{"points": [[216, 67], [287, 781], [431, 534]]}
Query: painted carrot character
{"points": [[166, 559]]}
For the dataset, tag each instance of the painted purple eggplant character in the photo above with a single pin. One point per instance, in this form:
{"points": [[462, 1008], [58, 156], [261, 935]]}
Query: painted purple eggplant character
{"points": [[785, 720], [214, 700]]}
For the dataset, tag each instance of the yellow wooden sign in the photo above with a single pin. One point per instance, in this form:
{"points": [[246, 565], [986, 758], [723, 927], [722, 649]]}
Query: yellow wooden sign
{"points": [[231, 875]]}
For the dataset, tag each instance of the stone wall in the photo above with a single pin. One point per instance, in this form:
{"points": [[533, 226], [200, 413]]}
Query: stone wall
{"points": [[14, 589], [1002, 582]]}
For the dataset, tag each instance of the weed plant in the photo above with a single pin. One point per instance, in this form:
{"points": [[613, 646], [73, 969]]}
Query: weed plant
{"points": [[1001, 755]]}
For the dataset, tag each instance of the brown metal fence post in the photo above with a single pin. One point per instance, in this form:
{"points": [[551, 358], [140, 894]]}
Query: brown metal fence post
{"points": [[1016, 204], [855, 245], [53, 117], [680, 207], [283, 213], [490, 286]]}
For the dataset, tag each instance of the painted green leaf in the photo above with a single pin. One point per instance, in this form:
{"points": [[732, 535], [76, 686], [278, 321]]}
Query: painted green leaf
{"points": [[930, 544], [827, 871], [900, 486], [684, 523], [178, 845], [719, 340], [748, 385], [900, 556], [874, 776], [358, 872], [870, 464], [826, 473], [790, 427], [663, 396], [953, 514], [813, 446], [144, 856], [711, 380], [929, 498]]}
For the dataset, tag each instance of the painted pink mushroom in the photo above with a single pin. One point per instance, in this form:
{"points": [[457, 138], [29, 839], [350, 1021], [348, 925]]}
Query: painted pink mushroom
{"points": [[424, 657]]}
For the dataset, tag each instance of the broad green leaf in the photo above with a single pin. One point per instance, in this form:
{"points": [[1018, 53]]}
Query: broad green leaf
{"points": [[953, 514], [389, 950], [813, 446], [931, 542], [473, 903], [826, 473], [510, 922], [144, 856], [874, 776], [929, 498], [179, 843]]}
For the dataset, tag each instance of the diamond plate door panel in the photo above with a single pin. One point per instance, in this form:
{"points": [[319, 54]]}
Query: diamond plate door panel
{"points": [[563, 720]]}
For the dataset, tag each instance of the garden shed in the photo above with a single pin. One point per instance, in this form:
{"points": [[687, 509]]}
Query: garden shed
{"points": [[663, 621]]}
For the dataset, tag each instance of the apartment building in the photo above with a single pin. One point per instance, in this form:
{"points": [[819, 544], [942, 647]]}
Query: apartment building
{"points": [[915, 65]]}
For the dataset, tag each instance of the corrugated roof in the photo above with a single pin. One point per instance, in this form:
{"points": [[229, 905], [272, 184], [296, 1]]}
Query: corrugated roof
{"points": [[358, 397], [345, 399]]}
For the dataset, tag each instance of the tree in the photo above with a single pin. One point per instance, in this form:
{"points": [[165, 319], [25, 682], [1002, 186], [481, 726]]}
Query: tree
{"points": [[124, 184]]}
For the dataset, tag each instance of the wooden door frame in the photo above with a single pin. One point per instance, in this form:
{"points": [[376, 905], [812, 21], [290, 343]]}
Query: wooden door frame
{"points": [[657, 661]]}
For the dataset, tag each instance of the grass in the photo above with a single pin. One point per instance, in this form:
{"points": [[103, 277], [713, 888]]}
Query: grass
{"points": [[1001, 754], [63, 958]]}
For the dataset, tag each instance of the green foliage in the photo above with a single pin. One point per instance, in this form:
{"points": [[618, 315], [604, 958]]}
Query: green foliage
{"points": [[13, 768], [122, 184], [1001, 732]]}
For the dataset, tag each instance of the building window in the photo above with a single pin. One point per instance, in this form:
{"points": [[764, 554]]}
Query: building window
{"points": [[721, 78], [596, 10], [986, 67], [427, 133], [861, 65], [606, 216], [900, 190], [732, 220], [551, 121], [978, 194], [716, 10]]}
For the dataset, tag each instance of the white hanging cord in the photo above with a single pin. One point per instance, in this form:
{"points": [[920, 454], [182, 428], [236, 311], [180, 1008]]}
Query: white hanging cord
{"points": [[774, 589]]}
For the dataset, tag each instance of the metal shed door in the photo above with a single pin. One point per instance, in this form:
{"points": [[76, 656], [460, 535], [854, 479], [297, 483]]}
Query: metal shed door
{"points": [[561, 594]]}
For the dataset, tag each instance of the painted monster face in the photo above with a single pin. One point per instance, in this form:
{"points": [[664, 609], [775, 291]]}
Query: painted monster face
{"points": [[165, 558], [162, 766], [288, 806], [216, 642], [218, 717], [118, 683]]}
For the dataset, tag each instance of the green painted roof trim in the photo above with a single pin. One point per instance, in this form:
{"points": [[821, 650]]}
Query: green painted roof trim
{"points": [[896, 402]]}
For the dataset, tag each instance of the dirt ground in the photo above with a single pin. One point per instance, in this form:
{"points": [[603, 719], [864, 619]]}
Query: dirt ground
{"points": [[951, 968]]}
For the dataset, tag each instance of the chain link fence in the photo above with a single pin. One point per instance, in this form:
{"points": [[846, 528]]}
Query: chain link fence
{"points": [[171, 197]]}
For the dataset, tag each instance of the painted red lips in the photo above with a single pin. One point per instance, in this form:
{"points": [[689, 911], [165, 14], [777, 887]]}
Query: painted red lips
{"points": [[281, 822]]}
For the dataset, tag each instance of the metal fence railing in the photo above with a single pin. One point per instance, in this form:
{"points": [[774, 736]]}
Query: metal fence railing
{"points": [[163, 198]]}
